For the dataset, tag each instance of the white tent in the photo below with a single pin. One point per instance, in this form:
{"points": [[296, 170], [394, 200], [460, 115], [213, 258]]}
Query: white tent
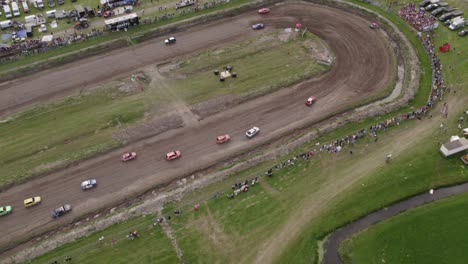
{"points": [[454, 147]]}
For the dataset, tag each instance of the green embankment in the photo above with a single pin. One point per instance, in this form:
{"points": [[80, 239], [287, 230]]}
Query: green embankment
{"points": [[152, 246], [433, 233]]}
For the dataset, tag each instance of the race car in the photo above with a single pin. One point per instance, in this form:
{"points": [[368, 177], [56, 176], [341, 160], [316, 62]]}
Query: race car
{"points": [[310, 101], [128, 156], [374, 25], [264, 10], [32, 201], [223, 139], [89, 184], [170, 40], [61, 210], [173, 155], [4, 210], [258, 26], [252, 132]]}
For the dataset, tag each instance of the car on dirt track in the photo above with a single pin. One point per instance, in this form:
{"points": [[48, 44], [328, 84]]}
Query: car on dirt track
{"points": [[32, 201], [4, 210], [170, 40], [264, 10], [310, 101], [258, 26], [252, 132], [223, 139], [374, 25], [173, 155], [88, 184], [128, 156], [59, 211]]}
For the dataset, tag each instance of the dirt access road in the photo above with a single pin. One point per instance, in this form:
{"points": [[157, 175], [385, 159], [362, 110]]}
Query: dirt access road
{"points": [[363, 68]]}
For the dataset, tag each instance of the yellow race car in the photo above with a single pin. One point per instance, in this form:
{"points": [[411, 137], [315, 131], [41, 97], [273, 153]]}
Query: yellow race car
{"points": [[32, 201]]}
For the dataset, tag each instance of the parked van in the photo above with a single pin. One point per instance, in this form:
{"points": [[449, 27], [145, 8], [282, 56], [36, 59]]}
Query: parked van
{"points": [[5, 24], [457, 24], [15, 9], [7, 11], [39, 4], [25, 7], [453, 20], [50, 13], [32, 20]]}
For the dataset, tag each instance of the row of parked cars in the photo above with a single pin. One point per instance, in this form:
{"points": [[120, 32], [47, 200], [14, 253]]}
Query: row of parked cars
{"points": [[450, 16]]}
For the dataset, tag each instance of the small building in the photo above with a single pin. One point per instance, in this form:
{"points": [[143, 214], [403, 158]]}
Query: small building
{"points": [[454, 147]]}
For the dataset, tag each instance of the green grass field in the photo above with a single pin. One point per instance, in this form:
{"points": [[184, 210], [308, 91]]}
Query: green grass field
{"points": [[263, 67], [152, 246], [432, 233], [52, 136]]}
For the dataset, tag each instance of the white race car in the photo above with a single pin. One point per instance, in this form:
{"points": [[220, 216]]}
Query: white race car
{"points": [[89, 184], [252, 132]]}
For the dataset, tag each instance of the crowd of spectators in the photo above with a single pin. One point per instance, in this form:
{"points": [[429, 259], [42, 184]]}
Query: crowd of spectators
{"points": [[417, 17], [438, 85], [34, 46], [437, 93]]}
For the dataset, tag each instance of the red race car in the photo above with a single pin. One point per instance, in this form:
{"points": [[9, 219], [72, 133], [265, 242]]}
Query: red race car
{"points": [[173, 155], [310, 101], [128, 156], [263, 11], [223, 139]]}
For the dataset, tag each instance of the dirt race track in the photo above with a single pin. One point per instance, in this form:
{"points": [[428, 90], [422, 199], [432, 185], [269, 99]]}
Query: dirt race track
{"points": [[363, 68]]}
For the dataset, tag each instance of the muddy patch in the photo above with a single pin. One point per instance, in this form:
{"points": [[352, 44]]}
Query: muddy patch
{"points": [[215, 105], [48, 166], [149, 128]]}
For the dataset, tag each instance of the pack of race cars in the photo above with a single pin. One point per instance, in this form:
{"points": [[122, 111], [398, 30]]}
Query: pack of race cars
{"points": [[129, 156]]}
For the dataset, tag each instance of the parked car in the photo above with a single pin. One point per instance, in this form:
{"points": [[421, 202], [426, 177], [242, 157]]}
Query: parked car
{"points": [[310, 101], [424, 3], [170, 40], [258, 26], [88, 184], [128, 156], [57, 212], [252, 132], [431, 7], [463, 33], [60, 2], [51, 3], [173, 155], [4, 210], [264, 10], [374, 25], [32, 201], [223, 139]]}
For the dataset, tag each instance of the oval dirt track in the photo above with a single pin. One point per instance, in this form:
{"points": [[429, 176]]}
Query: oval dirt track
{"points": [[363, 68]]}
